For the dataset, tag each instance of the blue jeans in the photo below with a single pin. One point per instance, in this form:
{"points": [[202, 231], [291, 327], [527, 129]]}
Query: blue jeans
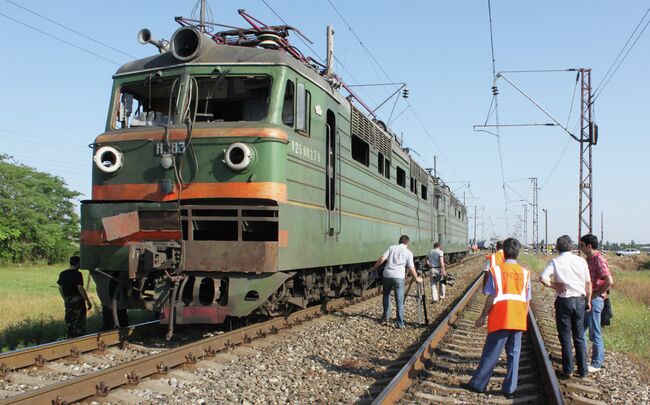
{"points": [[494, 343], [592, 322], [398, 285]]}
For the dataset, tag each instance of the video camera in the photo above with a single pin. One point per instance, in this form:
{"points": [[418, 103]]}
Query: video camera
{"points": [[448, 280]]}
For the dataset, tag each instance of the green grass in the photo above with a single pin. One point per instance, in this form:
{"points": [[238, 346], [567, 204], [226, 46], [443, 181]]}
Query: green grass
{"points": [[32, 309], [630, 328]]}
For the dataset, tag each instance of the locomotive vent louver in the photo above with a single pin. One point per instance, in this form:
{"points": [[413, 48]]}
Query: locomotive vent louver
{"points": [[187, 43]]}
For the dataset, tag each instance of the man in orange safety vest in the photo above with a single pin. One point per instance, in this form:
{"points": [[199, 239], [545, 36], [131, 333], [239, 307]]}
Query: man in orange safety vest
{"points": [[506, 308], [492, 260]]}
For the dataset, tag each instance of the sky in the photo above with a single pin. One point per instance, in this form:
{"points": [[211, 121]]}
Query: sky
{"points": [[56, 87]]}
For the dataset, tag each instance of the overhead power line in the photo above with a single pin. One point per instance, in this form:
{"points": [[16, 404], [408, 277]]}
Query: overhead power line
{"points": [[598, 90], [70, 29], [410, 107], [60, 39]]}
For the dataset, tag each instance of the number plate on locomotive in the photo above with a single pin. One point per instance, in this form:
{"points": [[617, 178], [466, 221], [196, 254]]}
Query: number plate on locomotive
{"points": [[171, 148]]}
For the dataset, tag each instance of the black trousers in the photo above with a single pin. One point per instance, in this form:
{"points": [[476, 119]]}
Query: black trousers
{"points": [[75, 316], [569, 318]]}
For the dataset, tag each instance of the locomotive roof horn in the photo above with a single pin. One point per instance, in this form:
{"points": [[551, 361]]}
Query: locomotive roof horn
{"points": [[188, 42], [145, 37]]}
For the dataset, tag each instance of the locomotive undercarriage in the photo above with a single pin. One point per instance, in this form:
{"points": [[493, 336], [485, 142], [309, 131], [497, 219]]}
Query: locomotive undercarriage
{"points": [[210, 298]]}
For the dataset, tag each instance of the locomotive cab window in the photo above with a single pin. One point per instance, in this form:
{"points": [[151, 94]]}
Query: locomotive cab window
{"points": [[360, 151], [423, 192], [229, 98], [146, 103]]}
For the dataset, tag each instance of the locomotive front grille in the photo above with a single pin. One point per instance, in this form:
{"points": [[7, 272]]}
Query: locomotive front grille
{"points": [[240, 223]]}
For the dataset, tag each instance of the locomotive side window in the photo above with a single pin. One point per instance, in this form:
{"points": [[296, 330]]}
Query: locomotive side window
{"points": [[380, 163], [146, 103], [401, 177], [303, 108], [287, 106], [229, 98], [387, 168], [360, 151], [423, 192]]}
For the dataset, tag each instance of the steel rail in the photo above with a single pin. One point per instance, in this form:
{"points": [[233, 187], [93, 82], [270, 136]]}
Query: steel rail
{"points": [[551, 384], [100, 383], [39, 355], [402, 381]]}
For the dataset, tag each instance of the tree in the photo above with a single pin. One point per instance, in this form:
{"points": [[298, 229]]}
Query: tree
{"points": [[38, 220]]}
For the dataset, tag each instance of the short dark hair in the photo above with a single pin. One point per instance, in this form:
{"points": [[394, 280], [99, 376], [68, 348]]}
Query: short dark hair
{"points": [[590, 239], [435, 245], [75, 260], [499, 245], [564, 244], [404, 239], [511, 248]]}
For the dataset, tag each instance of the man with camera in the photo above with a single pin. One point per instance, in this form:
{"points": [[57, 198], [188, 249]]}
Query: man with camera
{"points": [[436, 261]]}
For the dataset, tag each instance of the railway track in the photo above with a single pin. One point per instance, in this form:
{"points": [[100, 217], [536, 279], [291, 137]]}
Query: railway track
{"points": [[583, 391], [99, 384], [146, 365], [447, 358]]}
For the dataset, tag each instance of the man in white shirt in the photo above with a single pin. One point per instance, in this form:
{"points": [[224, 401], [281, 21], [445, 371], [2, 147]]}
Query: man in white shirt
{"points": [[397, 258], [436, 260], [572, 285]]}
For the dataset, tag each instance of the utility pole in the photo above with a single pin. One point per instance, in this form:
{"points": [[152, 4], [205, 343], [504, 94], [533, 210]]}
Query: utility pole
{"points": [[602, 240], [535, 215], [588, 137], [474, 223], [525, 223], [545, 228]]}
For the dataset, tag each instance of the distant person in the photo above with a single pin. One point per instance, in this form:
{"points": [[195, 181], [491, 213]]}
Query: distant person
{"points": [[435, 259], [601, 280], [506, 309], [71, 288], [572, 285], [493, 259], [398, 258]]}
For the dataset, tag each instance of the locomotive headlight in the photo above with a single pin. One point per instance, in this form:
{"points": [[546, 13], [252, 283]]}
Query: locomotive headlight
{"points": [[108, 159], [238, 156]]}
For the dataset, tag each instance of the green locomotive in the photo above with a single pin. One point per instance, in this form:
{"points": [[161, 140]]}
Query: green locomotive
{"points": [[234, 178]]}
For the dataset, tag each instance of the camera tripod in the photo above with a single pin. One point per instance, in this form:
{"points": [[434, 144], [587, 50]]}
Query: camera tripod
{"points": [[420, 297]]}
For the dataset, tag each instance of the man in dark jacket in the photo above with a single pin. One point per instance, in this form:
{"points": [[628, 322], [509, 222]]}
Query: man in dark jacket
{"points": [[72, 290]]}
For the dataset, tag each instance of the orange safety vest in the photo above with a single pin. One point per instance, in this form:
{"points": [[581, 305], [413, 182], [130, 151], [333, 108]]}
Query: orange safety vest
{"points": [[510, 307], [496, 259]]}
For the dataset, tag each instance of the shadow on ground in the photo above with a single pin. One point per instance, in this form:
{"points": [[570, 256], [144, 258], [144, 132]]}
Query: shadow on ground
{"points": [[32, 332]]}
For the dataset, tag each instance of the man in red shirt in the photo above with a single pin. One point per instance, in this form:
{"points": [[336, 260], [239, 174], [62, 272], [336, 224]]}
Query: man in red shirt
{"points": [[601, 280]]}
